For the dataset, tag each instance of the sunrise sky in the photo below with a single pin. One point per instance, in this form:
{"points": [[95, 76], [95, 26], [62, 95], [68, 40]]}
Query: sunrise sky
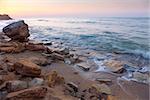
{"points": [[75, 8]]}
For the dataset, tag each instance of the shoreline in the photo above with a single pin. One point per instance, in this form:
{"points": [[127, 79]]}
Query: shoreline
{"points": [[79, 75]]}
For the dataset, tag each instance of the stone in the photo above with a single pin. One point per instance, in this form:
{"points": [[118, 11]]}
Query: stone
{"points": [[115, 66], [84, 66], [17, 31], [57, 56], [13, 47], [54, 79], [35, 47], [36, 82], [40, 61], [27, 68], [73, 86], [140, 77], [100, 89], [64, 51], [33, 93], [104, 80], [7, 49], [5, 17], [16, 85]]}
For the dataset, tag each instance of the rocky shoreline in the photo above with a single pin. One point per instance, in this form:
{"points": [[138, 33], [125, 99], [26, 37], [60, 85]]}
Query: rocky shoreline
{"points": [[30, 70]]}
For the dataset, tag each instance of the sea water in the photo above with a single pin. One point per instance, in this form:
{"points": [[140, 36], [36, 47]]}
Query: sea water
{"points": [[123, 35]]}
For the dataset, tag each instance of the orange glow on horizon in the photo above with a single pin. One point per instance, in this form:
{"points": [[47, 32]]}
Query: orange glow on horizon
{"points": [[21, 8]]}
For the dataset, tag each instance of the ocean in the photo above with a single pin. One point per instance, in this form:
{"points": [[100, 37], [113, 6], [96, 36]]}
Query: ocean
{"points": [[121, 35]]}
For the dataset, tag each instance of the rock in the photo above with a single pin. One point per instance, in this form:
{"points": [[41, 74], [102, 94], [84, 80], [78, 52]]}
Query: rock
{"points": [[7, 49], [99, 89], [5, 17], [104, 80], [27, 68], [72, 87], [84, 66], [13, 47], [33, 93], [1, 80], [137, 76], [64, 51], [40, 61], [3, 95], [54, 79], [36, 82], [17, 31], [57, 56], [16, 85], [9, 59], [35, 47], [115, 66]]}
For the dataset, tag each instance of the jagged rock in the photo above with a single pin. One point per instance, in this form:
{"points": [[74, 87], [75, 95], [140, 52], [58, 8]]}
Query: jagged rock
{"points": [[36, 82], [35, 47], [40, 61], [16, 85], [27, 68], [115, 66], [5, 17], [100, 88], [54, 79], [33, 93], [71, 88], [17, 31]]}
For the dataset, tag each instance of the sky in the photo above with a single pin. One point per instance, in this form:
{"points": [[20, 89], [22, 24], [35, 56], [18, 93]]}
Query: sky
{"points": [[75, 8]]}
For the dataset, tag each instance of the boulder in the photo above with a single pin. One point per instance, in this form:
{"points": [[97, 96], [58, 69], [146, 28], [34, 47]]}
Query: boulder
{"points": [[100, 89], [16, 85], [115, 66], [36, 82], [27, 68], [84, 66], [17, 31], [54, 79], [5, 17], [34, 93], [35, 47]]}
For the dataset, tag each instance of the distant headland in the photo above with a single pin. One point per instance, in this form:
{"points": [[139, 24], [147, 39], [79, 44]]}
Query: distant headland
{"points": [[5, 17]]}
